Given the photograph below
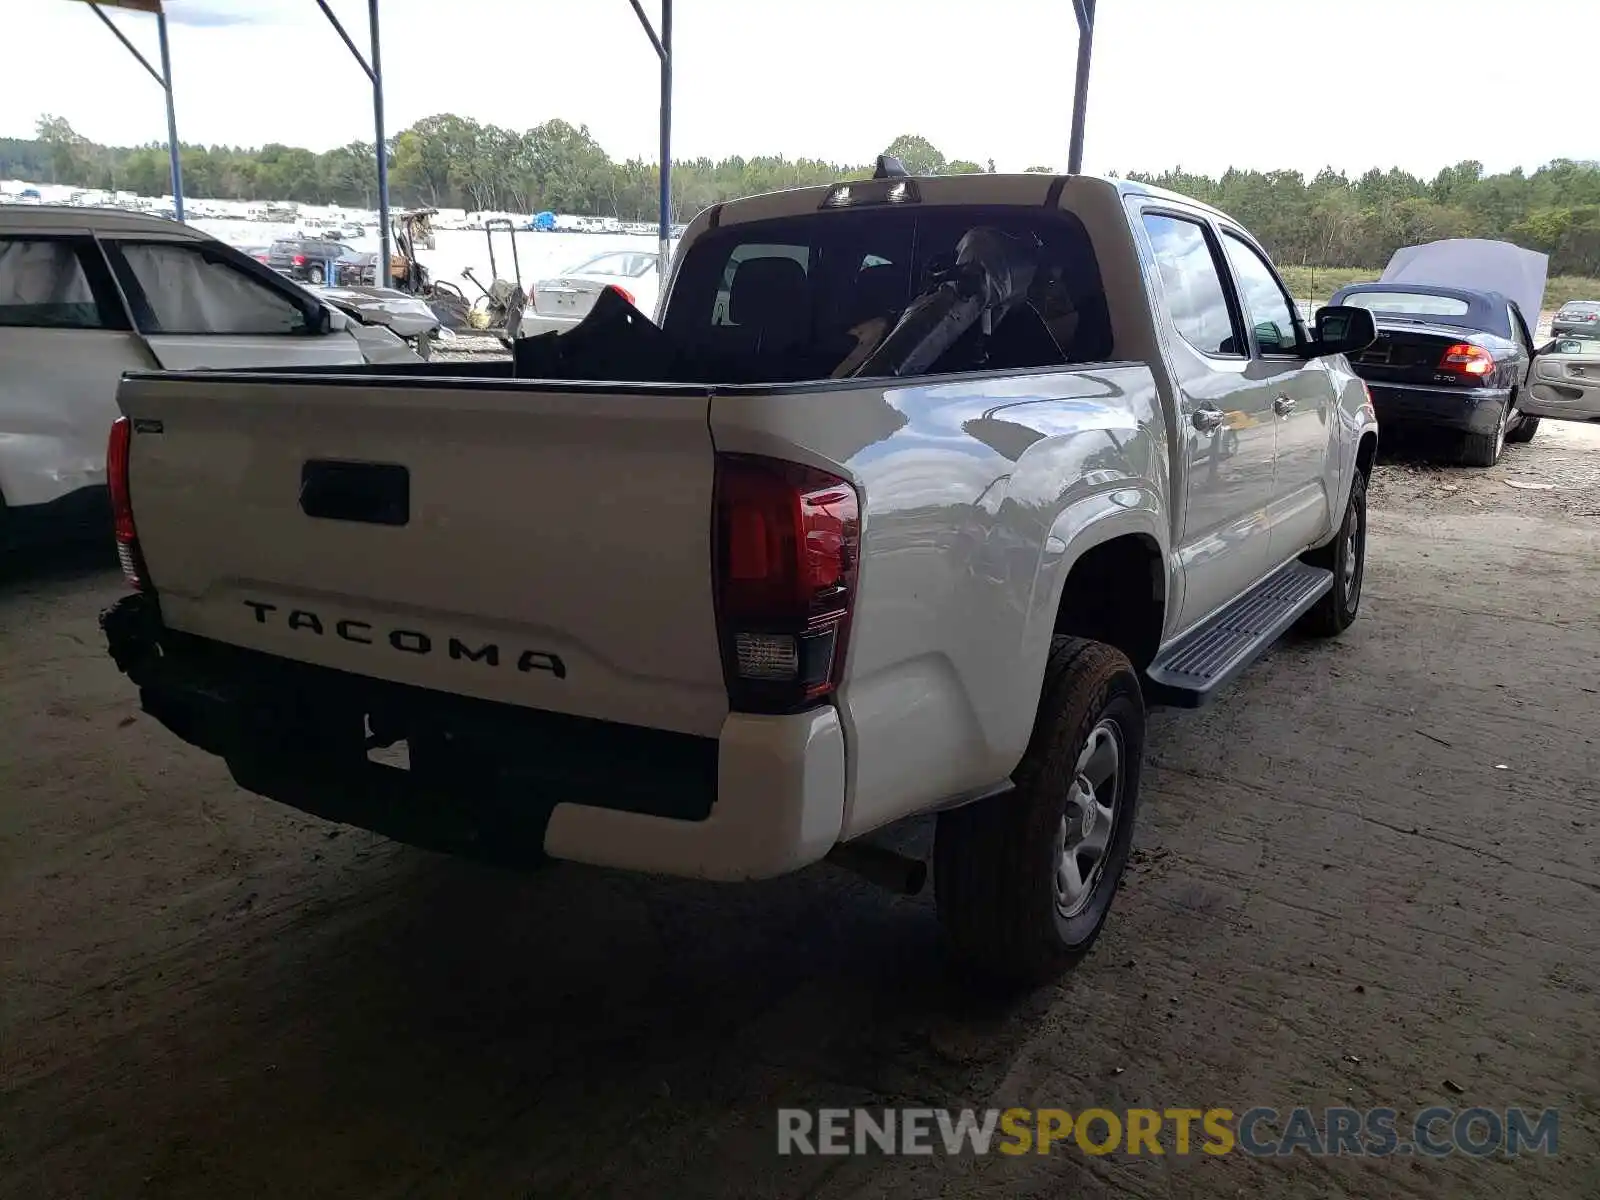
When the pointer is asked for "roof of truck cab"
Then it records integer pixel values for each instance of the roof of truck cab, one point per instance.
(65, 218)
(1026, 190)
(1131, 187)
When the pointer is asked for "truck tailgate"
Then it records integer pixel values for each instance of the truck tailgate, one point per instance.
(547, 548)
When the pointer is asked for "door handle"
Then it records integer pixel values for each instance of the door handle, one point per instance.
(1208, 420)
(1283, 406)
(372, 493)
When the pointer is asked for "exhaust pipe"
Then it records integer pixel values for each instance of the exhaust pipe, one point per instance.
(889, 869)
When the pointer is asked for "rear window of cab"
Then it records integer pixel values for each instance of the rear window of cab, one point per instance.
(797, 297)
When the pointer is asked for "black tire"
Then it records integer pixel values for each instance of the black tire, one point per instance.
(1483, 449)
(1524, 431)
(1346, 557)
(997, 862)
(315, 275)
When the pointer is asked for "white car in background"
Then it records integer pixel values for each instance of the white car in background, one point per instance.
(560, 303)
(87, 294)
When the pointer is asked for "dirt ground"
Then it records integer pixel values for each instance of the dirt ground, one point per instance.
(1369, 869)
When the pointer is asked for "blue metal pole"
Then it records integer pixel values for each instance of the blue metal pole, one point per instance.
(666, 135)
(384, 279)
(172, 117)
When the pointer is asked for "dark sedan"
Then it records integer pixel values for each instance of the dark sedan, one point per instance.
(1577, 318)
(1448, 361)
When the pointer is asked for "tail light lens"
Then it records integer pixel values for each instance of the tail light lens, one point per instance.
(128, 553)
(787, 545)
(624, 293)
(1466, 359)
(299, 260)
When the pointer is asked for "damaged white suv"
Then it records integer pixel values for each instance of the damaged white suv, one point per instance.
(86, 294)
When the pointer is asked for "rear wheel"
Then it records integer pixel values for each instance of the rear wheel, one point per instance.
(1346, 557)
(1483, 449)
(1024, 880)
(1525, 430)
(315, 275)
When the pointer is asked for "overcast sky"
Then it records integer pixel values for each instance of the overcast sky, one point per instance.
(1208, 84)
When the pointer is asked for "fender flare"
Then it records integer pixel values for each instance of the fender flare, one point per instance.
(1135, 509)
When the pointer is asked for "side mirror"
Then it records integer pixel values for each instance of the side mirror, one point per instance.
(1341, 329)
(331, 321)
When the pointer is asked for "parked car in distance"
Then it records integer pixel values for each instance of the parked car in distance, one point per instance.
(259, 253)
(561, 302)
(1577, 318)
(1448, 362)
(356, 268)
(306, 259)
(87, 294)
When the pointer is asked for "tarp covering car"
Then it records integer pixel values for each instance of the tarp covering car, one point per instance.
(1478, 264)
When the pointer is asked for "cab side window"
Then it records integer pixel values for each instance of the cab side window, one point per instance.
(1197, 297)
(1268, 309)
(175, 288)
(44, 284)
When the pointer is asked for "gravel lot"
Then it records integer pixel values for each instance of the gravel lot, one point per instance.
(1369, 869)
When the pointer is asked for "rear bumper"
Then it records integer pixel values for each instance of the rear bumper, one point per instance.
(1467, 410)
(77, 516)
(493, 781)
(1589, 330)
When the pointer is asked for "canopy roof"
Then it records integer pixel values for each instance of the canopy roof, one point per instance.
(660, 41)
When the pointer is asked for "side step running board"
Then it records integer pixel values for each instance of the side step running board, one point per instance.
(1191, 671)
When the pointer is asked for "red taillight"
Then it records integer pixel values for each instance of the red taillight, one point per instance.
(1466, 359)
(787, 544)
(299, 260)
(624, 293)
(117, 452)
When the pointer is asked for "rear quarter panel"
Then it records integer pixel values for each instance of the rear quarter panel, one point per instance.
(979, 493)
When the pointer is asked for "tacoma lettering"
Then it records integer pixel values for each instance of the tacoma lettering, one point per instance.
(537, 660)
(300, 619)
(489, 654)
(406, 641)
(410, 641)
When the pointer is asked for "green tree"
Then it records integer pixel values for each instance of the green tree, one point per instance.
(919, 155)
(1331, 220)
(65, 148)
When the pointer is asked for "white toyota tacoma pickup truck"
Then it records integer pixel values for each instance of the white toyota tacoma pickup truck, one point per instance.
(920, 493)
